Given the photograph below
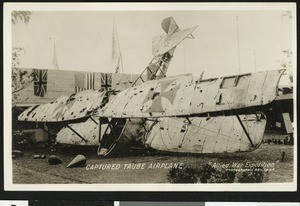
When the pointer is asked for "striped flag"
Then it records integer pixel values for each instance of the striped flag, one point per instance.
(84, 81)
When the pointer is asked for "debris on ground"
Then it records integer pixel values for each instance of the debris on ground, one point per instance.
(54, 160)
(78, 161)
(17, 153)
(39, 156)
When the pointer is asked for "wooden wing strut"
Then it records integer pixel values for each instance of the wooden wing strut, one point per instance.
(81, 137)
(246, 132)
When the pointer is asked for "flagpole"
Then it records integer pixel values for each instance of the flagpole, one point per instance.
(55, 62)
(254, 53)
(238, 43)
(117, 37)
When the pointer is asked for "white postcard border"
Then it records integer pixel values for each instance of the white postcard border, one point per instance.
(8, 184)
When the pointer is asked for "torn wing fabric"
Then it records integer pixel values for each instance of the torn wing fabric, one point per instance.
(65, 108)
(183, 95)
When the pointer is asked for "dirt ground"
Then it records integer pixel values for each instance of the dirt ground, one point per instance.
(27, 170)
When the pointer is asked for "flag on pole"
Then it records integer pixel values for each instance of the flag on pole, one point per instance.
(116, 52)
(54, 60)
(84, 81)
(106, 81)
(40, 82)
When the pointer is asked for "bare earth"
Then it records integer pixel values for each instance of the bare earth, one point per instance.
(27, 170)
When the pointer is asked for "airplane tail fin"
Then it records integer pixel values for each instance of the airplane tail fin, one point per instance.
(174, 36)
(163, 48)
(169, 25)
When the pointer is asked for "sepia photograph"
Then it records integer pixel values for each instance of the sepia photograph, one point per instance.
(150, 97)
(207, 204)
(161, 203)
(252, 204)
(54, 202)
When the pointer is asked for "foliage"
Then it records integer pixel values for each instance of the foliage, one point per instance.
(20, 79)
(23, 16)
(16, 52)
(205, 174)
(22, 140)
(209, 174)
(286, 15)
(256, 175)
(222, 176)
(184, 175)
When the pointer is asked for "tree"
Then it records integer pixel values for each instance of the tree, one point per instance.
(20, 79)
(287, 15)
(286, 62)
(17, 16)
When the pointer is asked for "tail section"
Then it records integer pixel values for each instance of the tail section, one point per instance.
(174, 36)
(164, 46)
(169, 25)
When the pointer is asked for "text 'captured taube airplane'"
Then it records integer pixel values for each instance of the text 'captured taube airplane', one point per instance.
(178, 114)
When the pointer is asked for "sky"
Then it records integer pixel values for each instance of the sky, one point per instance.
(83, 40)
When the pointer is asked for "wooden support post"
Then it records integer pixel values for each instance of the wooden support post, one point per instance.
(99, 130)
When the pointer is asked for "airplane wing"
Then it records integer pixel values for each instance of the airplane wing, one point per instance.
(66, 108)
(83, 133)
(183, 96)
(207, 135)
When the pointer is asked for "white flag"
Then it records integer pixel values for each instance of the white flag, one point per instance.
(116, 52)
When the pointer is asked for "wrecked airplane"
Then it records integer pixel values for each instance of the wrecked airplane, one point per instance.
(178, 114)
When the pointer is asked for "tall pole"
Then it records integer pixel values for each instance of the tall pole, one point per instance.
(121, 58)
(254, 60)
(184, 67)
(238, 44)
